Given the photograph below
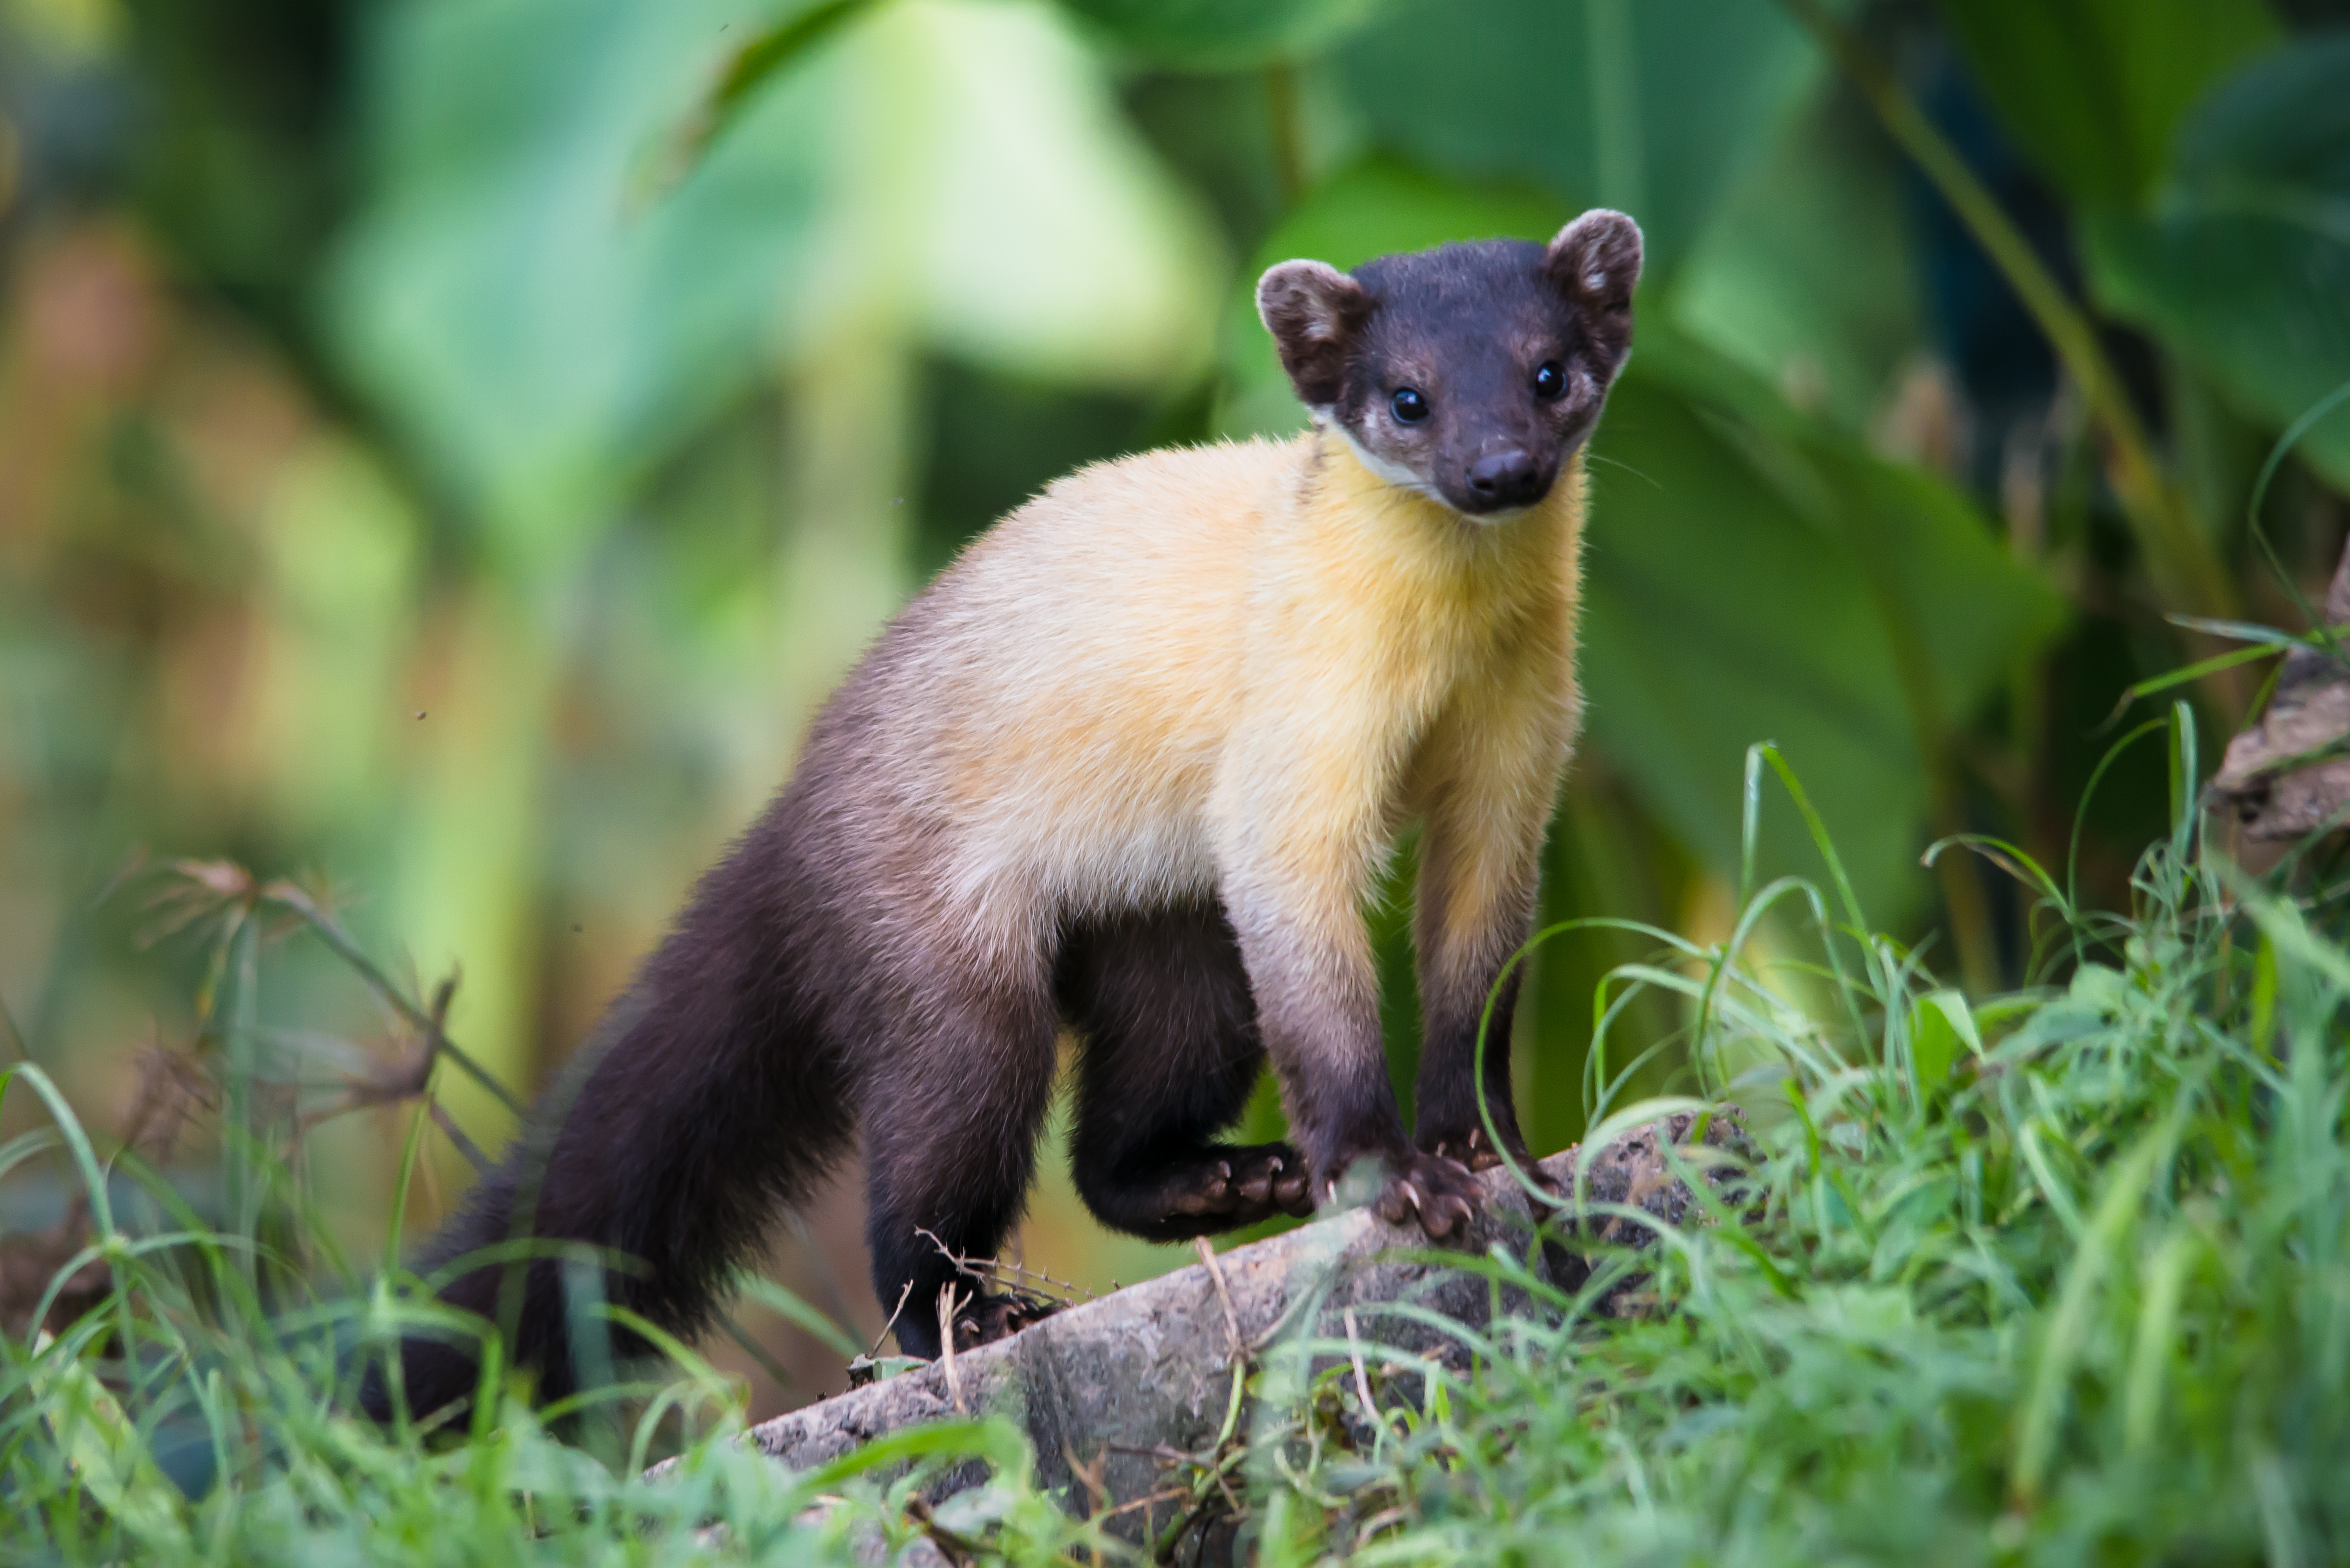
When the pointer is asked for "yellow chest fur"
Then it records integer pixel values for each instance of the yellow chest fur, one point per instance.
(1370, 593)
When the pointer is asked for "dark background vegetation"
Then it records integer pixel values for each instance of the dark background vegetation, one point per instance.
(448, 448)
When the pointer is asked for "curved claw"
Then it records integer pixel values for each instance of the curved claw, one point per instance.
(1436, 1191)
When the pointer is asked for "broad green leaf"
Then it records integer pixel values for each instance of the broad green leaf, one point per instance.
(769, 52)
(1753, 574)
(1655, 107)
(1719, 614)
(1027, 223)
(548, 317)
(1220, 35)
(1757, 575)
(536, 333)
(1806, 278)
(2093, 90)
(2243, 263)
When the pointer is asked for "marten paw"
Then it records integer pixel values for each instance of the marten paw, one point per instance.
(995, 1317)
(1241, 1186)
(1475, 1150)
(1433, 1189)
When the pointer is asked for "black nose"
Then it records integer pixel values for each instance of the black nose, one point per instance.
(1505, 477)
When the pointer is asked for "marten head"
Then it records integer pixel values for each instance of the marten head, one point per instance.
(1471, 372)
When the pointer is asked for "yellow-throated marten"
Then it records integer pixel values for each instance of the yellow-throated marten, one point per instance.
(1131, 765)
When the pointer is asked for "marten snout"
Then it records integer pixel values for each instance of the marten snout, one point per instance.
(1510, 477)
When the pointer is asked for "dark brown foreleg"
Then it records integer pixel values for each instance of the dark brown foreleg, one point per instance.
(1170, 1052)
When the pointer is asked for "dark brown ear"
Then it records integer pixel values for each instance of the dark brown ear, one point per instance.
(1595, 260)
(1314, 312)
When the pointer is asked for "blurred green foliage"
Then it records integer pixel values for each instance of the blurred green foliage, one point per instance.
(451, 446)
(2240, 262)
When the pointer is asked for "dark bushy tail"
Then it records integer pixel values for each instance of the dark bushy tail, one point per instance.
(710, 1107)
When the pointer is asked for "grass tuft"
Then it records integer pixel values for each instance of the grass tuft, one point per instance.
(2059, 1275)
(2056, 1276)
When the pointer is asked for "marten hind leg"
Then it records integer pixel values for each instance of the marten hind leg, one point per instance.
(953, 1112)
(1169, 1054)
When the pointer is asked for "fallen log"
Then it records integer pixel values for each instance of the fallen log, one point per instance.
(1111, 1391)
(2288, 773)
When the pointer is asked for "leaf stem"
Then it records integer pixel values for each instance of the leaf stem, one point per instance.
(2179, 557)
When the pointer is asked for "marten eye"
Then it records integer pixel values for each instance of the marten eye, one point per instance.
(1409, 405)
(1550, 380)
